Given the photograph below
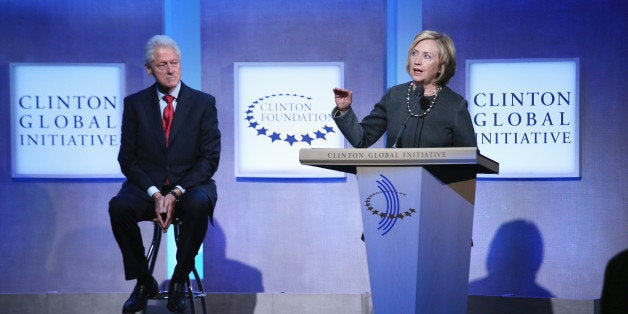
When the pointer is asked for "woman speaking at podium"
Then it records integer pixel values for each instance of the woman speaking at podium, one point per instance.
(421, 113)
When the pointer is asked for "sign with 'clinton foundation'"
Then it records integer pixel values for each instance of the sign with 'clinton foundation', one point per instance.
(65, 120)
(281, 107)
(526, 115)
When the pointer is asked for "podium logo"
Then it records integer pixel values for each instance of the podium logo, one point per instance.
(392, 212)
(288, 118)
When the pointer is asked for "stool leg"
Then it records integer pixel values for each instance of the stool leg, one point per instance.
(191, 296)
(153, 249)
(151, 255)
(202, 294)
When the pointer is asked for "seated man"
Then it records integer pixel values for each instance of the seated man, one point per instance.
(169, 151)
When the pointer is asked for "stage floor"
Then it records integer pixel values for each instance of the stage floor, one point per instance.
(276, 303)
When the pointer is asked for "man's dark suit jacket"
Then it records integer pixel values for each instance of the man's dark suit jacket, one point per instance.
(193, 152)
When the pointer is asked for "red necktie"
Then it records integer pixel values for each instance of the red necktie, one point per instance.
(168, 115)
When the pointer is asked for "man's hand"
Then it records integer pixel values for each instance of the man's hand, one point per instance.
(164, 209)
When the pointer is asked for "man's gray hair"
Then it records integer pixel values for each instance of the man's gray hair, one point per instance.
(159, 41)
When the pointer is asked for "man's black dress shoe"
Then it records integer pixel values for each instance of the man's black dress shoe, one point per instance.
(139, 297)
(176, 297)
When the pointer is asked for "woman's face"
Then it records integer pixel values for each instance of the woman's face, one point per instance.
(424, 62)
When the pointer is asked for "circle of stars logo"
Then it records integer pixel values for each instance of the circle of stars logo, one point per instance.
(290, 138)
(382, 214)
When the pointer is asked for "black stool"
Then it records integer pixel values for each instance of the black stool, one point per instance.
(151, 256)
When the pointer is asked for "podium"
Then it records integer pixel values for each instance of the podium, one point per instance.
(417, 211)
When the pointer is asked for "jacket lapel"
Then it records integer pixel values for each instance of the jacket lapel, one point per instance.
(153, 112)
(184, 103)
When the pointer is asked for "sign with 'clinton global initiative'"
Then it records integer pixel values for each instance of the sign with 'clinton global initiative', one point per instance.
(281, 107)
(65, 120)
(526, 115)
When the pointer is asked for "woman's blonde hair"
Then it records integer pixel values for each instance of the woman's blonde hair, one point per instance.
(446, 54)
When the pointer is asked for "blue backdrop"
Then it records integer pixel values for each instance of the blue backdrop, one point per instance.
(531, 238)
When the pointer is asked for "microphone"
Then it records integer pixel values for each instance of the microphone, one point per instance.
(419, 90)
(403, 127)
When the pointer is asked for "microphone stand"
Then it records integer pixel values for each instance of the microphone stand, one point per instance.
(403, 127)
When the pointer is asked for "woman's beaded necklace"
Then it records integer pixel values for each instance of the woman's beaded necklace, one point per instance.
(421, 114)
